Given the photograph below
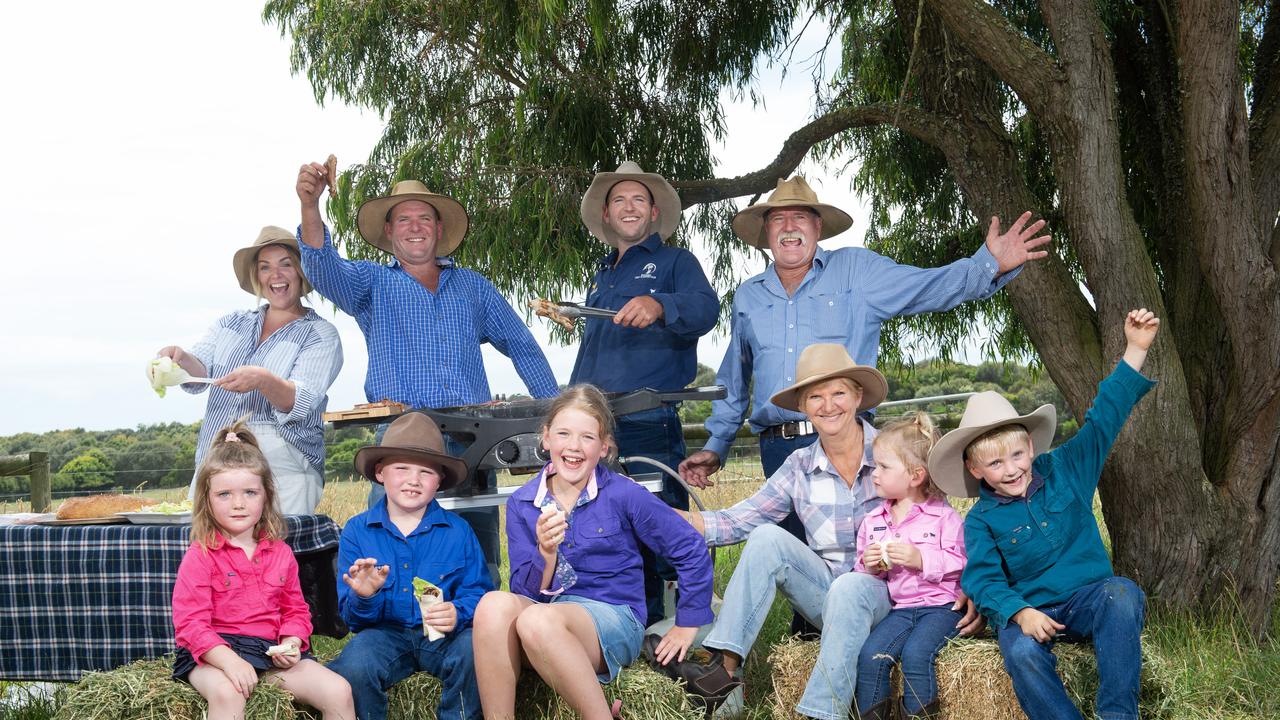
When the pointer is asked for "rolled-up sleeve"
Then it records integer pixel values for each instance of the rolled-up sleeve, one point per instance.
(314, 370)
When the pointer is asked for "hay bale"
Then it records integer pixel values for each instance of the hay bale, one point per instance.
(144, 691)
(972, 682)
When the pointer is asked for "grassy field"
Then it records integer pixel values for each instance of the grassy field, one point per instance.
(1220, 671)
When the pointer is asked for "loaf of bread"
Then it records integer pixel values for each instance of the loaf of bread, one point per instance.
(96, 506)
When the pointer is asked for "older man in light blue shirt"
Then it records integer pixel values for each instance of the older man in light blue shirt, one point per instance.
(810, 295)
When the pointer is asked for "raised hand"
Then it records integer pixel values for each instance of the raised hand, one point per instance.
(550, 531)
(366, 577)
(1140, 328)
(313, 178)
(1015, 247)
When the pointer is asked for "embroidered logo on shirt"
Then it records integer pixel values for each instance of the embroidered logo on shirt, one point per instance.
(648, 271)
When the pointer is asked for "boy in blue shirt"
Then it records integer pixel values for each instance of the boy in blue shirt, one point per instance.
(407, 535)
(1037, 566)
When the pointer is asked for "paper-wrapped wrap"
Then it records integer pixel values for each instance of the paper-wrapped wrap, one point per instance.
(427, 595)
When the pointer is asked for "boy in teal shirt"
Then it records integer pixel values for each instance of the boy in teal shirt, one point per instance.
(1037, 566)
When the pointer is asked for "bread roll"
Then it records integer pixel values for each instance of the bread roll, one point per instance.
(96, 506)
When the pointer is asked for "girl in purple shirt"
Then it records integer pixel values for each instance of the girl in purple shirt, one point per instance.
(576, 606)
(915, 540)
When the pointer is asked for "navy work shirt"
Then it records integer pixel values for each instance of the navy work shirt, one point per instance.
(663, 356)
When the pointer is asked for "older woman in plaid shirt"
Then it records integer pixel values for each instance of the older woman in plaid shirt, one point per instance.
(829, 485)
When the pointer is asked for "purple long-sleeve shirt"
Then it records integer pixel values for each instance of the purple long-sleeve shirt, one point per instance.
(603, 547)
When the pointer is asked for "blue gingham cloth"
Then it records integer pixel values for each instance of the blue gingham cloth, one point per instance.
(93, 597)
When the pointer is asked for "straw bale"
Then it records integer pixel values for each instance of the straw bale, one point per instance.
(144, 691)
(972, 683)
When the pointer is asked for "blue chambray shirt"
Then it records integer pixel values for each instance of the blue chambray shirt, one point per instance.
(424, 347)
(847, 295)
(306, 352)
(663, 356)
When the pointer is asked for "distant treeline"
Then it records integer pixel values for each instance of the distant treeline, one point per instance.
(163, 455)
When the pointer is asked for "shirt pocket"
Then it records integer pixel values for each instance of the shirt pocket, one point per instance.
(828, 316)
(275, 582)
(1025, 552)
(600, 545)
(228, 587)
(1063, 517)
(444, 574)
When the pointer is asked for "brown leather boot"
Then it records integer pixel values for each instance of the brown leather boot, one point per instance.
(928, 712)
(882, 710)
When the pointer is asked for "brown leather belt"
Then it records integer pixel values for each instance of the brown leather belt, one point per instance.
(789, 430)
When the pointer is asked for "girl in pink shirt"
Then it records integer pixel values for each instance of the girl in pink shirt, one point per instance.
(238, 610)
(915, 540)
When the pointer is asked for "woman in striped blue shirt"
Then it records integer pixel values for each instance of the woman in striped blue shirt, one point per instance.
(274, 364)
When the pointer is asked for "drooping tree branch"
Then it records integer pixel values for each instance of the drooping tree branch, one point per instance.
(1029, 70)
(930, 128)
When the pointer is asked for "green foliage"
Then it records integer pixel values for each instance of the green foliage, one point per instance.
(91, 469)
(160, 455)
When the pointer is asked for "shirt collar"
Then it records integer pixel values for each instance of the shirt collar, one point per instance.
(931, 506)
(649, 244)
(818, 460)
(593, 486)
(433, 515)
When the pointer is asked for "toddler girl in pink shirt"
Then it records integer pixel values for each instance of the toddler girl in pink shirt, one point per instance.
(915, 540)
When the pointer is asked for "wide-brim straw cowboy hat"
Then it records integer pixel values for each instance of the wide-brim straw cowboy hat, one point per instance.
(372, 218)
(824, 361)
(748, 224)
(983, 413)
(413, 436)
(665, 198)
(245, 261)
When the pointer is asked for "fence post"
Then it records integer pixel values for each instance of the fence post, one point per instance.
(34, 464)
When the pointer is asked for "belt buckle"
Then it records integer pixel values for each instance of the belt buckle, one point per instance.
(782, 430)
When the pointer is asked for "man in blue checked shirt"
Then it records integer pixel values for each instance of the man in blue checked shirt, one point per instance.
(809, 295)
(664, 305)
(423, 318)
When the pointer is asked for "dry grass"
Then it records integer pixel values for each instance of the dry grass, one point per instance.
(973, 684)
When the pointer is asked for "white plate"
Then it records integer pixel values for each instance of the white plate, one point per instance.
(155, 518)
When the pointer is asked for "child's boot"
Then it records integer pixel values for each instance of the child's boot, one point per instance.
(928, 712)
(882, 710)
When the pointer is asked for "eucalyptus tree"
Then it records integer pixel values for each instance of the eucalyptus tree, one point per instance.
(1147, 133)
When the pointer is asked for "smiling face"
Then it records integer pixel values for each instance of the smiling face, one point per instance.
(832, 405)
(629, 211)
(1006, 469)
(414, 229)
(411, 485)
(576, 445)
(279, 280)
(793, 234)
(236, 500)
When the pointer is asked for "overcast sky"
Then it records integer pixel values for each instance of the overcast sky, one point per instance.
(143, 144)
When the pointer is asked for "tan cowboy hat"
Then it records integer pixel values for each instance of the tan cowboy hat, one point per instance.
(748, 224)
(373, 216)
(412, 436)
(665, 198)
(824, 361)
(984, 412)
(245, 261)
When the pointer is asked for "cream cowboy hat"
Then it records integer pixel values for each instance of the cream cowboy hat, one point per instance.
(412, 436)
(245, 261)
(665, 198)
(824, 361)
(984, 412)
(372, 216)
(748, 224)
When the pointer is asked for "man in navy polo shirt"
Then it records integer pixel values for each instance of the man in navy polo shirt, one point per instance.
(664, 305)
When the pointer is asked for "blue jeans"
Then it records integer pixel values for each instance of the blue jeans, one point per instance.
(655, 434)
(847, 607)
(484, 522)
(383, 655)
(914, 634)
(773, 452)
(1111, 613)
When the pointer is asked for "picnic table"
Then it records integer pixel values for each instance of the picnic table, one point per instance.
(93, 597)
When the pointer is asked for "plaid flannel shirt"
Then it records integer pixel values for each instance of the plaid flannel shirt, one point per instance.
(830, 510)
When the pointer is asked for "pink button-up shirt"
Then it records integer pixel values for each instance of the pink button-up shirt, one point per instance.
(937, 531)
(223, 591)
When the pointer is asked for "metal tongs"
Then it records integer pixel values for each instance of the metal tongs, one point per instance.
(574, 310)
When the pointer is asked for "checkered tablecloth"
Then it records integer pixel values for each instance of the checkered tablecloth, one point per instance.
(94, 597)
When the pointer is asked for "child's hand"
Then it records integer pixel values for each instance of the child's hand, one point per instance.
(550, 531)
(1140, 328)
(872, 559)
(287, 660)
(441, 616)
(366, 577)
(674, 644)
(905, 554)
(243, 676)
(1037, 625)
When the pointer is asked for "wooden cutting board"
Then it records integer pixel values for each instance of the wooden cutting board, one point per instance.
(367, 410)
